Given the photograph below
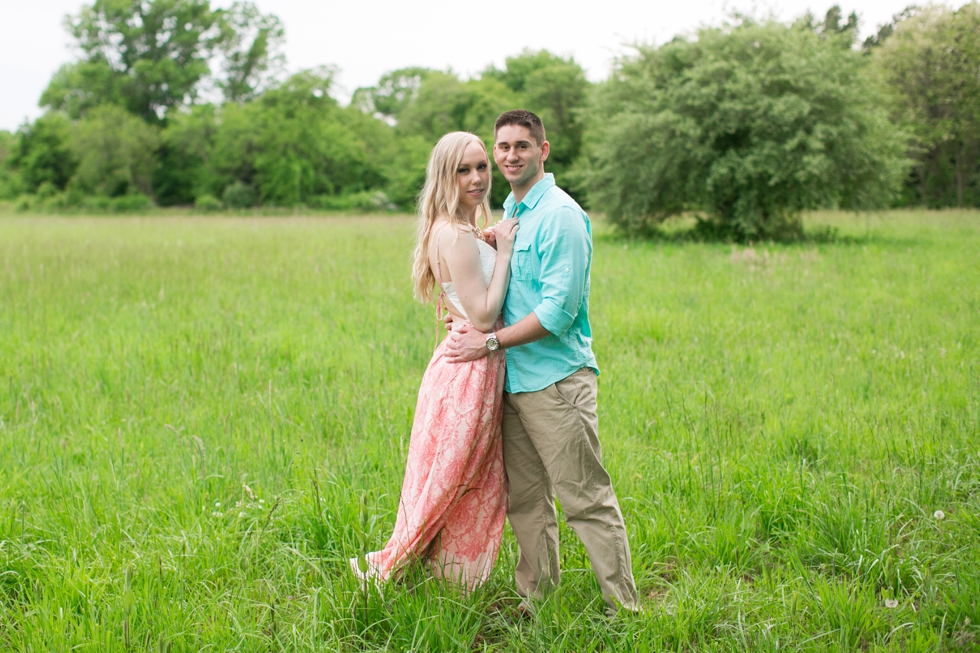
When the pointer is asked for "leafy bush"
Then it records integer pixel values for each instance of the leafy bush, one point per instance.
(240, 196)
(51, 200)
(182, 170)
(24, 203)
(42, 152)
(58, 202)
(46, 190)
(207, 203)
(362, 202)
(131, 203)
(745, 127)
(115, 152)
(11, 184)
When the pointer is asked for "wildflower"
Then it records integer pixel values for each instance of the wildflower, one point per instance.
(891, 603)
(939, 514)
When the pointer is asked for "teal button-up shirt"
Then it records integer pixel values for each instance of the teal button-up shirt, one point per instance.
(549, 276)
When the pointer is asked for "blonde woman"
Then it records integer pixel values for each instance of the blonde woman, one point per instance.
(454, 496)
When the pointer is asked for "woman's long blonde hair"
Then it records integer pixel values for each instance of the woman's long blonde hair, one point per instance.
(439, 199)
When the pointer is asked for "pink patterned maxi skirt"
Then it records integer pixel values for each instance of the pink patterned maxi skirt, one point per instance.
(454, 497)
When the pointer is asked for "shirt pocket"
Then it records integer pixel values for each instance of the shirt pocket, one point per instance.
(522, 264)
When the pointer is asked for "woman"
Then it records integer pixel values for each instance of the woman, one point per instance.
(454, 495)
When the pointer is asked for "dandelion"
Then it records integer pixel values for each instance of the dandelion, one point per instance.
(217, 504)
(939, 514)
(891, 604)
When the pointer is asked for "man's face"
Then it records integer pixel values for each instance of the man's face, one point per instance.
(519, 158)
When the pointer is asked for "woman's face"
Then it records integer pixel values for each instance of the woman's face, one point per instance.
(473, 175)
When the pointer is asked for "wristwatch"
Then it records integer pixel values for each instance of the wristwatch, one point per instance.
(492, 343)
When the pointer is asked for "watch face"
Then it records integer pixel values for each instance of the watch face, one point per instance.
(493, 344)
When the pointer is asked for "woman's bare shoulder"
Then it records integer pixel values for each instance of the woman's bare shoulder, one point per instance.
(449, 233)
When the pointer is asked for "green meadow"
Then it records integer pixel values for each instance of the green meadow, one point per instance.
(202, 418)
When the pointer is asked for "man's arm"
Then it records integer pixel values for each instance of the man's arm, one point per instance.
(566, 249)
(468, 344)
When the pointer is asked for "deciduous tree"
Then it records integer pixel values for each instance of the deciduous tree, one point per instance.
(115, 152)
(557, 90)
(150, 56)
(746, 126)
(394, 92)
(183, 169)
(933, 59)
(250, 52)
(10, 185)
(43, 153)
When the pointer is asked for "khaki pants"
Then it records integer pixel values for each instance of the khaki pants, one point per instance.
(551, 446)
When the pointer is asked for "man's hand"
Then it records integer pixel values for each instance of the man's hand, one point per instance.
(466, 344)
(490, 236)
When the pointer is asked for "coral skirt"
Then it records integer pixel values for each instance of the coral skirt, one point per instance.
(454, 497)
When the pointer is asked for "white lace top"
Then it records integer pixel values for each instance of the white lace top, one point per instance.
(488, 259)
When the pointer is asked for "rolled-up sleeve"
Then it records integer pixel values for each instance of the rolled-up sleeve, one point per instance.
(565, 249)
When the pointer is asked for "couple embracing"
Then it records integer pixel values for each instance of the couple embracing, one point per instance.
(506, 414)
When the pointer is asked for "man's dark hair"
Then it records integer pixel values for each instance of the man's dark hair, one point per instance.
(521, 118)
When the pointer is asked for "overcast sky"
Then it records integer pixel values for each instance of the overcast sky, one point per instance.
(366, 39)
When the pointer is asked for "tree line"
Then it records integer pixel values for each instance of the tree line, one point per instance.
(744, 125)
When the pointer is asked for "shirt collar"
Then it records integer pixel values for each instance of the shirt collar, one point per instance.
(531, 199)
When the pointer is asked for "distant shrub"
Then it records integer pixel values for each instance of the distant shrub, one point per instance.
(240, 196)
(51, 200)
(207, 203)
(360, 202)
(132, 203)
(10, 186)
(46, 190)
(56, 203)
(24, 203)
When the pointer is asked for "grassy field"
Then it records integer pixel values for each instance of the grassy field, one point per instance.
(202, 418)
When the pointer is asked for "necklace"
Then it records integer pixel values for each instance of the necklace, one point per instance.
(477, 232)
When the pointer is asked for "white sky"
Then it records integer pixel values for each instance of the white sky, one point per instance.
(367, 39)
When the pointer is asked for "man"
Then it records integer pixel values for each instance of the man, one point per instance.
(550, 426)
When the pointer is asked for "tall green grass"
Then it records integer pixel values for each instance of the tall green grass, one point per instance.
(201, 419)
